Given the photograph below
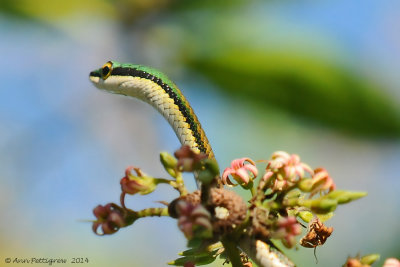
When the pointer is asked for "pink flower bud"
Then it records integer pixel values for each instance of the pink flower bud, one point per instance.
(142, 184)
(109, 217)
(391, 262)
(188, 159)
(321, 182)
(241, 172)
(193, 220)
(287, 229)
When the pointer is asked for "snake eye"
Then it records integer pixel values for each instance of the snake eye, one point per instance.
(106, 70)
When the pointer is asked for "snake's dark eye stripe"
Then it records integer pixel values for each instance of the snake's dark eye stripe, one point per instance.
(94, 74)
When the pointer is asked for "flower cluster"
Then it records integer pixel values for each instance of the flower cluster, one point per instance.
(110, 218)
(284, 170)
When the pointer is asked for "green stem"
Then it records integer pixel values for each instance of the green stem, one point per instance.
(150, 212)
(178, 184)
(233, 252)
(253, 191)
(179, 178)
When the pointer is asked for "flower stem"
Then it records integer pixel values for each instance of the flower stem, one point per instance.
(150, 212)
(178, 184)
(233, 252)
(253, 191)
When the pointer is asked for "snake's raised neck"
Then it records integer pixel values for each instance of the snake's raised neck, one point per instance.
(158, 90)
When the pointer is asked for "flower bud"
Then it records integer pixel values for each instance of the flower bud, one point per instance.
(169, 163)
(209, 172)
(293, 194)
(353, 263)
(135, 184)
(343, 197)
(142, 184)
(305, 216)
(193, 220)
(391, 262)
(111, 218)
(287, 229)
(370, 259)
(320, 205)
(305, 185)
(188, 159)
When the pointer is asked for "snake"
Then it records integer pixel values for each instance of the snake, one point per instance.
(155, 88)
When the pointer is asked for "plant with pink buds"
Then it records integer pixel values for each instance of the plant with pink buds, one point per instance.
(219, 223)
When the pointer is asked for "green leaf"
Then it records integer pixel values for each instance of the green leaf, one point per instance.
(202, 258)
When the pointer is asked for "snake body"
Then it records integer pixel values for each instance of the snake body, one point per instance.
(158, 90)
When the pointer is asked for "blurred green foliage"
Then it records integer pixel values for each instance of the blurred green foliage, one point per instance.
(296, 82)
(303, 85)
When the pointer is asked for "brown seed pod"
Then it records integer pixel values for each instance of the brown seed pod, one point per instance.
(228, 208)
